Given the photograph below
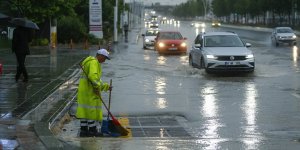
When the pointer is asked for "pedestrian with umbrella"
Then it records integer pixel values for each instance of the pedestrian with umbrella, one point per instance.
(22, 36)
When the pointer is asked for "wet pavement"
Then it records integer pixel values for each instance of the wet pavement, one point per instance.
(166, 104)
(240, 111)
(48, 69)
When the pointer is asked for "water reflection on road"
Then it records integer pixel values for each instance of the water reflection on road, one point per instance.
(295, 57)
(211, 114)
(250, 110)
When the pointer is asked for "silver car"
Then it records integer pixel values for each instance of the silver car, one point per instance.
(281, 35)
(148, 38)
(221, 51)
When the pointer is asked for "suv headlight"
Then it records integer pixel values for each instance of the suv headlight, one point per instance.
(210, 57)
(147, 40)
(294, 36)
(250, 56)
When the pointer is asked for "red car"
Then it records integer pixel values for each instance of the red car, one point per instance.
(170, 42)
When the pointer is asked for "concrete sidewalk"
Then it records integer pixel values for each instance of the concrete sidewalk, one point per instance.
(18, 130)
(27, 110)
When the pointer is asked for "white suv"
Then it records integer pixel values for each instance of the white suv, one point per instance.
(221, 51)
(283, 35)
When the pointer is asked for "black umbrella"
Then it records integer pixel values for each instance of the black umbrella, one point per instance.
(24, 23)
(2, 16)
(4, 19)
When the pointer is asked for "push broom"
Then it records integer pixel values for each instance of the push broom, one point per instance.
(115, 123)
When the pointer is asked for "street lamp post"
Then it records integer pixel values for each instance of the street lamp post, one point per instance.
(116, 22)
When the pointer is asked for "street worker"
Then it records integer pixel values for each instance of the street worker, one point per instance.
(20, 46)
(89, 109)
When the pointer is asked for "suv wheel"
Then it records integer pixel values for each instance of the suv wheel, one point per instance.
(202, 65)
(191, 61)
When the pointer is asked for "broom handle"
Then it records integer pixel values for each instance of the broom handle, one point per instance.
(109, 97)
(98, 94)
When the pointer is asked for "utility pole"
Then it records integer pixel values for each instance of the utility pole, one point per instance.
(116, 22)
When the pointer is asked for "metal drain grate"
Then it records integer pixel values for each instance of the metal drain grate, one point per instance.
(156, 127)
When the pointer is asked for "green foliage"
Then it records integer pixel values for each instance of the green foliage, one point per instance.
(71, 28)
(40, 42)
(5, 43)
(191, 8)
(92, 39)
(41, 11)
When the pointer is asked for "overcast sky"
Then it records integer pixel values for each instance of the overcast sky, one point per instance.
(162, 2)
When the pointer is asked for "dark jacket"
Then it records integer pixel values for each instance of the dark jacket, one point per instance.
(21, 38)
(125, 27)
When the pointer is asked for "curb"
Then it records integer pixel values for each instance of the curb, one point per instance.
(43, 121)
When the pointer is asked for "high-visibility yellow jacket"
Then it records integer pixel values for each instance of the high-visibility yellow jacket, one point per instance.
(89, 104)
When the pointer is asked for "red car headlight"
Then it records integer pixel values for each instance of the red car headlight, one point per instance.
(161, 44)
(183, 44)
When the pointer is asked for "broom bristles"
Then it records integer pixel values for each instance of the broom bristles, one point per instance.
(123, 131)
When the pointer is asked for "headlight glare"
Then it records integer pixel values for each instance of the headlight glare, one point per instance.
(161, 44)
(210, 56)
(147, 40)
(183, 44)
(250, 56)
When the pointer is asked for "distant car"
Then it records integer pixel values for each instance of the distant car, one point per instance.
(281, 35)
(221, 51)
(148, 38)
(215, 23)
(198, 24)
(171, 42)
(153, 24)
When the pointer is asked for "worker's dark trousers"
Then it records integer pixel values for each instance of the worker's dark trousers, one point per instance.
(21, 67)
(88, 125)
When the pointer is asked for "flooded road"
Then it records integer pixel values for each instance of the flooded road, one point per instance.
(224, 111)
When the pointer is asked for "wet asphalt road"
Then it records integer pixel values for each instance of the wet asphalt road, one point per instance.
(236, 111)
(231, 111)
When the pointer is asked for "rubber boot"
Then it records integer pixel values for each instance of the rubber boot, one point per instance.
(93, 132)
(84, 131)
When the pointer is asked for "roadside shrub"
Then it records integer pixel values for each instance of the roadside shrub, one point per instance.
(93, 39)
(70, 28)
(40, 42)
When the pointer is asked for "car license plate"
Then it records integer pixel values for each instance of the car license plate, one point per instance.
(232, 63)
(173, 48)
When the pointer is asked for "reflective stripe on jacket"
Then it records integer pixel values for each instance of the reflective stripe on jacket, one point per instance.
(89, 104)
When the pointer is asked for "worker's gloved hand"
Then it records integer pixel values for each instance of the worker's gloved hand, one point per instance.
(96, 91)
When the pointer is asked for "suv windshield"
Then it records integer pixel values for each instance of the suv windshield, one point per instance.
(223, 41)
(284, 30)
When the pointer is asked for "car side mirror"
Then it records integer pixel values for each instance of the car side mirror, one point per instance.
(248, 45)
(155, 39)
(143, 34)
(198, 46)
(185, 38)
